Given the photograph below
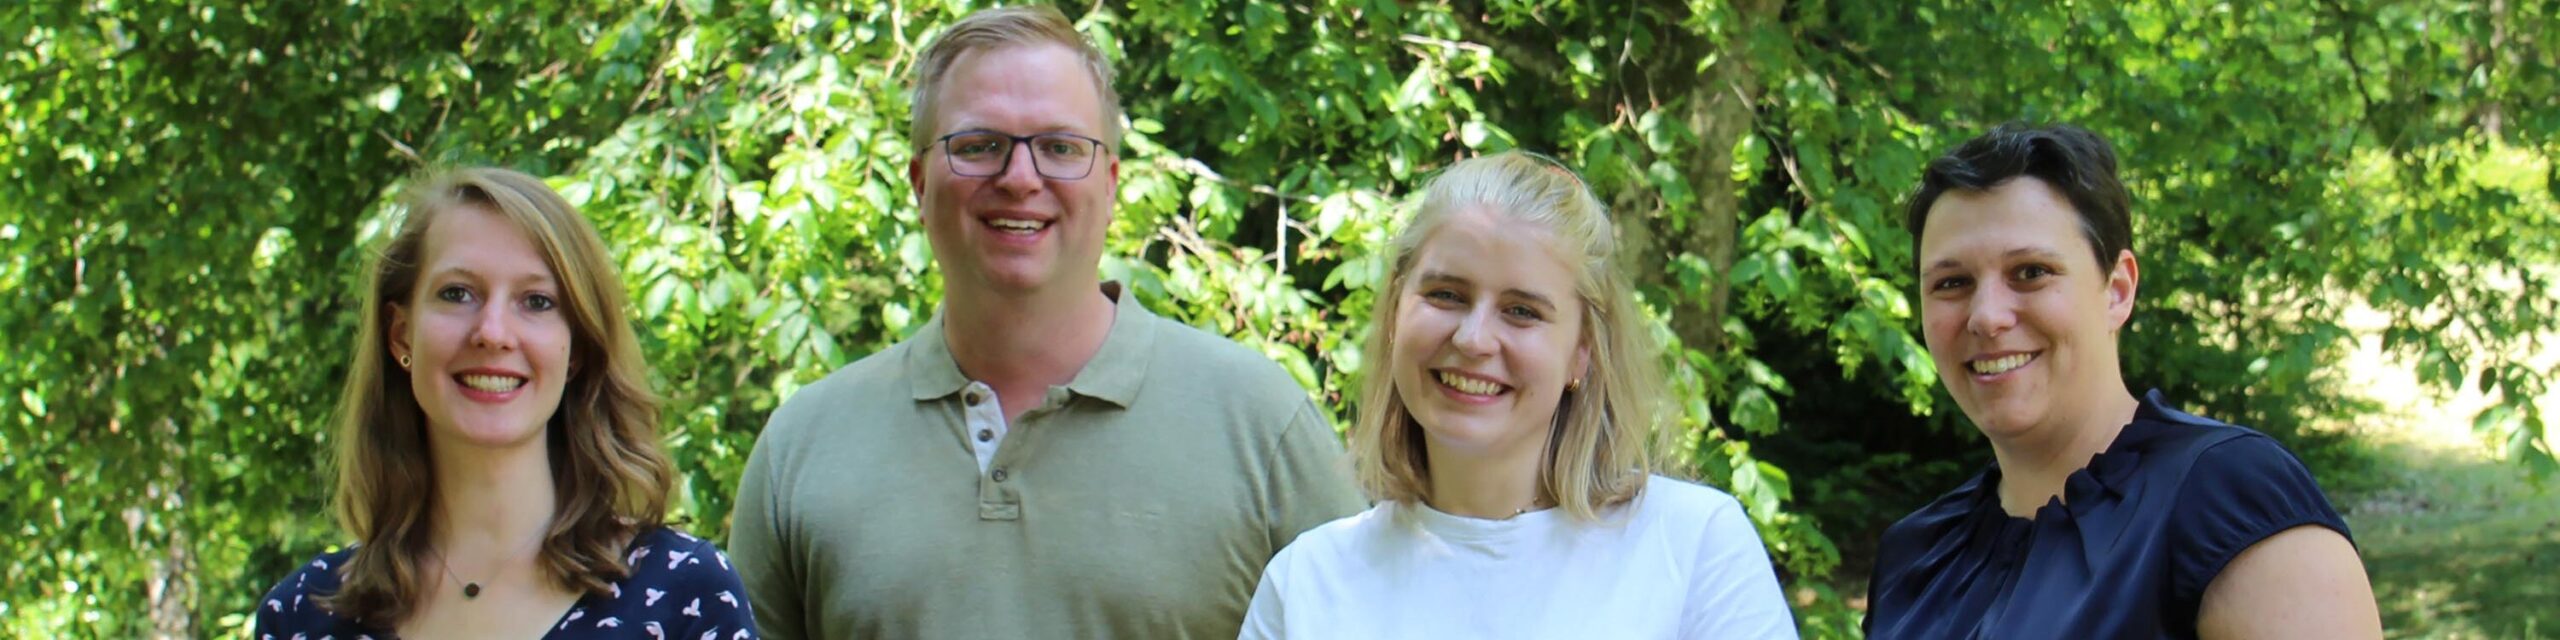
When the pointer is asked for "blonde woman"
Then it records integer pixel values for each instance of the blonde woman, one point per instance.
(498, 456)
(1505, 423)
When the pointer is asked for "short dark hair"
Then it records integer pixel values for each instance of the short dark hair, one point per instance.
(2070, 159)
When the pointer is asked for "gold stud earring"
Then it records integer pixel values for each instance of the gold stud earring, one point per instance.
(1575, 385)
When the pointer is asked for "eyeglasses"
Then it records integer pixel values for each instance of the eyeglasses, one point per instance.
(1056, 156)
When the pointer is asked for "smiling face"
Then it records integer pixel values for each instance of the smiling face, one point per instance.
(2017, 312)
(1487, 335)
(485, 333)
(1016, 231)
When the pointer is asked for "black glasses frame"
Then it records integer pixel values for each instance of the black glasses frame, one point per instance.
(1012, 141)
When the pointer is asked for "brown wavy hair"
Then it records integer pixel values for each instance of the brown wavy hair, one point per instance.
(1607, 434)
(611, 480)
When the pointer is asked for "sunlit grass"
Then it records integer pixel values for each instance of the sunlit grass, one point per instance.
(2460, 543)
(2462, 546)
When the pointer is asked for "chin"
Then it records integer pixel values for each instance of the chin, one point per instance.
(1018, 277)
(1468, 436)
(500, 434)
(2005, 420)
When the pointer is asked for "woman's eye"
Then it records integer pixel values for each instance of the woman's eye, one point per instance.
(453, 293)
(2033, 271)
(1945, 284)
(1440, 295)
(1523, 312)
(541, 302)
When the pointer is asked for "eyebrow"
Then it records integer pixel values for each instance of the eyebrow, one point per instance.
(2038, 251)
(468, 274)
(1439, 277)
(1035, 131)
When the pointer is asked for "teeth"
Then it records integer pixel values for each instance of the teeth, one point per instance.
(1469, 385)
(492, 383)
(2001, 365)
(1017, 225)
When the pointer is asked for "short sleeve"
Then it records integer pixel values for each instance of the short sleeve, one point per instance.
(715, 603)
(1734, 591)
(1263, 619)
(1310, 479)
(762, 563)
(2239, 492)
(273, 619)
(292, 606)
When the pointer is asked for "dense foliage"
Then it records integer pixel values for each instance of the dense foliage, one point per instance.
(190, 186)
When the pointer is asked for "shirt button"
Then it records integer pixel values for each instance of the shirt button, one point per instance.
(999, 475)
(973, 397)
(985, 435)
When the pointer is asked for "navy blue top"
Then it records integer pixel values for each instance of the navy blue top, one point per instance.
(2125, 552)
(680, 587)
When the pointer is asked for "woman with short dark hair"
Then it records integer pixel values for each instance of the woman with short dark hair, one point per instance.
(2104, 515)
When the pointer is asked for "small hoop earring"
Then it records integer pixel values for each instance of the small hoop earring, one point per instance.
(404, 362)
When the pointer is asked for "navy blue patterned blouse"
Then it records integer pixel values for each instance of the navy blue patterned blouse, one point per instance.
(2126, 553)
(681, 587)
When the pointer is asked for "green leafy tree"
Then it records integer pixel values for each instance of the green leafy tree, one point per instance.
(192, 186)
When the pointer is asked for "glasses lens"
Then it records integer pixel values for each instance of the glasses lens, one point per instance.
(978, 154)
(1063, 157)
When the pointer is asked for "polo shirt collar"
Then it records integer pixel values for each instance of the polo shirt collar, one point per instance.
(1114, 375)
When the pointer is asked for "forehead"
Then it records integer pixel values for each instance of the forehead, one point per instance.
(1497, 251)
(1019, 88)
(484, 242)
(2021, 212)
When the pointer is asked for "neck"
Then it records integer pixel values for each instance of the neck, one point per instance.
(494, 506)
(1022, 345)
(2035, 465)
(1490, 487)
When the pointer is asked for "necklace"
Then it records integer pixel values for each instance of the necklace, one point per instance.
(470, 590)
(1533, 505)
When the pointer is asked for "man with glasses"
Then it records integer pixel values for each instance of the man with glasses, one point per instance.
(1045, 458)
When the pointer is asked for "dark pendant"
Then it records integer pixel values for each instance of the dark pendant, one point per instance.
(471, 590)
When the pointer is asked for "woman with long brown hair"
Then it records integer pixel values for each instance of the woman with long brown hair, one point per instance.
(498, 456)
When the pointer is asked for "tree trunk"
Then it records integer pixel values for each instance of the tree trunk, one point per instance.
(1719, 107)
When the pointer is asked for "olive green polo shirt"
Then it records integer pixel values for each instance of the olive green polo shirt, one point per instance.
(1140, 500)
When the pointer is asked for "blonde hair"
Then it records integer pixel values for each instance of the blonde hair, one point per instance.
(611, 480)
(1601, 448)
(996, 29)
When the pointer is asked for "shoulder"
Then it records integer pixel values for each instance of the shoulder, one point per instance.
(1186, 354)
(2242, 488)
(1335, 543)
(673, 557)
(2211, 462)
(292, 605)
(2169, 438)
(1695, 516)
(680, 586)
(1922, 528)
(846, 391)
(1691, 509)
(2233, 488)
(684, 568)
(1669, 497)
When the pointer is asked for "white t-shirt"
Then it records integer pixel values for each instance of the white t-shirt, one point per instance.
(1679, 561)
